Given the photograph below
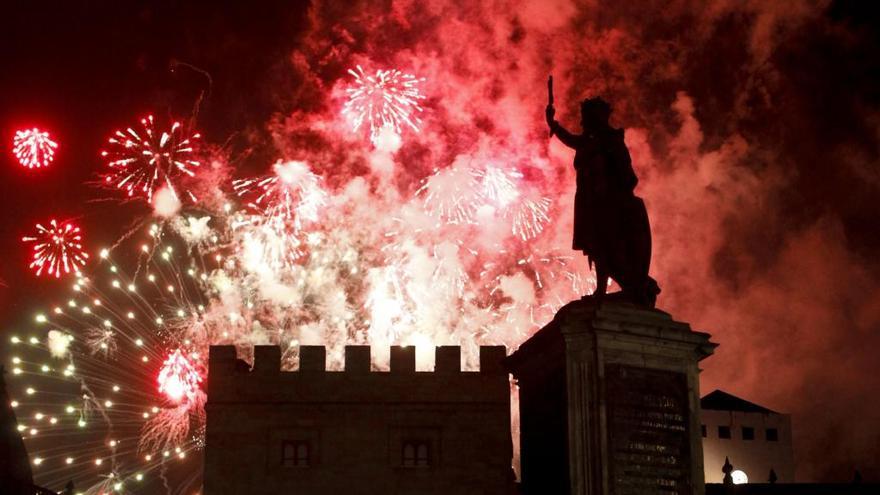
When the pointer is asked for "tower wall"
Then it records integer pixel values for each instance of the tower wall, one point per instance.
(356, 425)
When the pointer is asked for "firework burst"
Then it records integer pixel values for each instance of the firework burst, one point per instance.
(288, 261)
(499, 186)
(179, 378)
(143, 160)
(132, 343)
(280, 205)
(33, 148)
(528, 217)
(125, 371)
(500, 190)
(386, 99)
(57, 249)
(451, 195)
(293, 195)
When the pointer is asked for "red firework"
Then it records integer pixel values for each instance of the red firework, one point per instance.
(179, 379)
(33, 148)
(57, 249)
(142, 161)
(387, 99)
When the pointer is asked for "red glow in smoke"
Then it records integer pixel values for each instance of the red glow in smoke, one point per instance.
(33, 148)
(179, 379)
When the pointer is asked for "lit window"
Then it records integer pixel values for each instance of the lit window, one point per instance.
(748, 433)
(703, 431)
(295, 453)
(724, 432)
(772, 435)
(416, 454)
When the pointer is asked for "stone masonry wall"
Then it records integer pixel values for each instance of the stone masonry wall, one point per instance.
(357, 423)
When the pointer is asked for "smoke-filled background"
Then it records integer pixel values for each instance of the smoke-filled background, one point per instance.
(753, 127)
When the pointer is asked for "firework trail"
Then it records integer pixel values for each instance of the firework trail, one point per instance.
(387, 99)
(142, 161)
(124, 354)
(57, 249)
(33, 148)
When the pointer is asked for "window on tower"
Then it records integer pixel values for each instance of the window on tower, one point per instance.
(295, 453)
(724, 432)
(416, 454)
(748, 433)
(772, 435)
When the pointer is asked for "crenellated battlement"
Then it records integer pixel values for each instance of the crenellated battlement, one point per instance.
(320, 430)
(232, 380)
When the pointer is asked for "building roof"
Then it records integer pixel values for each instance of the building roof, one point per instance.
(792, 489)
(720, 400)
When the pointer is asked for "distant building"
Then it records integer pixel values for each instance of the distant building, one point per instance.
(357, 431)
(754, 438)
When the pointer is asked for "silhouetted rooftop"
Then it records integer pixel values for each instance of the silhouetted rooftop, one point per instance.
(722, 401)
(792, 489)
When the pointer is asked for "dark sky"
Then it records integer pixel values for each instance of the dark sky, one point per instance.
(83, 69)
(789, 259)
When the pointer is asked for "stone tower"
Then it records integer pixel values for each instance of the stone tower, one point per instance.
(358, 431)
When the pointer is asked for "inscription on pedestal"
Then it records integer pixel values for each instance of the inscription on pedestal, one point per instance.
(648, 437)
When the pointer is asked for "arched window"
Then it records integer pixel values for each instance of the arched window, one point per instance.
(295, 453)
(409, 454)
(422, 454)
(416, 454)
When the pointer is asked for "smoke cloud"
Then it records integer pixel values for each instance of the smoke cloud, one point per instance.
(753, 127)
(754, 165)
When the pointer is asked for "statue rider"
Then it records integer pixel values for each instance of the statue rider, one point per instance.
(610, 222)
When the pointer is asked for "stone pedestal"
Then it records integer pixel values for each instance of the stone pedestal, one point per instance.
(609, 403)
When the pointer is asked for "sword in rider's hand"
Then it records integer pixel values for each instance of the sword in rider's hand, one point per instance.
(550, 97)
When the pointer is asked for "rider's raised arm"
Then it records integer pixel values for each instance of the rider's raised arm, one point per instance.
(567, 138)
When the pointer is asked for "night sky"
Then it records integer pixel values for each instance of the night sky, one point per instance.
(753, 126)
(84, 69)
